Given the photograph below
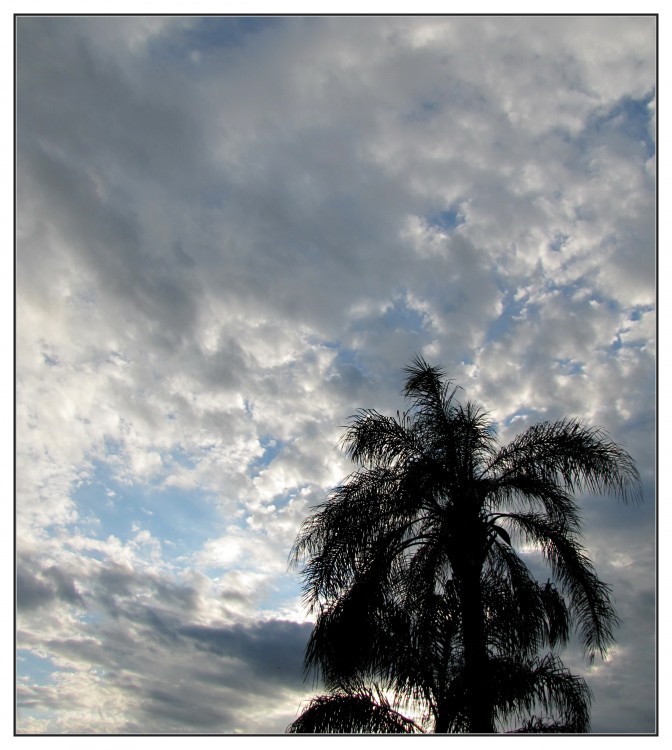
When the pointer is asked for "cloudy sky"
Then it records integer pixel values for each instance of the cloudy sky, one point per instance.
(231, 234)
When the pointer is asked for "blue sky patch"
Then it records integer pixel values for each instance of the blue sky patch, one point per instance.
(558, 242)
(272, 447)
(185, 517)
(512, 308)
(640, 310)
(35, 668)
(569, 366)
(211, 34)
(629, 119)
(401, 317)
(447, 221)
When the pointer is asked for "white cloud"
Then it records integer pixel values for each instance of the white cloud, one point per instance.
(234, 232)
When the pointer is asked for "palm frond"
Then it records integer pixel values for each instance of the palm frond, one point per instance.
(568, 453)
(590, 603)
(523, 617)
(427, 387)
(546, 725)
(524, 492)
(352, 713)
(373, 439)
(520, 688)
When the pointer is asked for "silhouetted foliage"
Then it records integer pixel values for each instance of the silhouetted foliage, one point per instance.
(423, 606)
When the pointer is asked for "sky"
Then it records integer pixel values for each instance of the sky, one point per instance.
(232, 233)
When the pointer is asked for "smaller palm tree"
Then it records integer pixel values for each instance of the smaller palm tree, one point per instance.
(415, 554)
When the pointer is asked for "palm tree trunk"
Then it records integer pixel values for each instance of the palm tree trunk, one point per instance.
(477, 682)
(441, 724)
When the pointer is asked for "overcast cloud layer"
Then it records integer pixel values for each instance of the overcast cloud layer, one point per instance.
(231, 234)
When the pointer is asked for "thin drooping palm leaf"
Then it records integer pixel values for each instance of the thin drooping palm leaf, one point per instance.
(589, 598)
(569, 454)
(351, 713)
(522, 687)
(523, 616)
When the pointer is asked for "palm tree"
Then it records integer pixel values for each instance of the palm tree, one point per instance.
(414, 553)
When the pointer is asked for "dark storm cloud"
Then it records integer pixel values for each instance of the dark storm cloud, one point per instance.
(274, 649)
(261, 658)
(37, 588)
(31, 591)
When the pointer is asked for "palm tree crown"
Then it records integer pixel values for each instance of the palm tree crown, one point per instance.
(423, 606)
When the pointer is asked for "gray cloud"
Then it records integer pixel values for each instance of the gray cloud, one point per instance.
(273, 648)
(231, 234)
(141, 643)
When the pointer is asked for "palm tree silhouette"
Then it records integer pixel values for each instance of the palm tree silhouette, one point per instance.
(427, 618)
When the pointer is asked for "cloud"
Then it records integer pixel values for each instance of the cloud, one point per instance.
(234, 232)
(145, 643)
